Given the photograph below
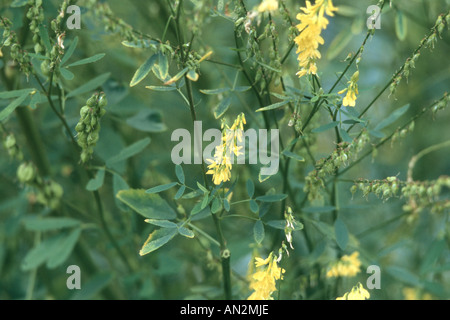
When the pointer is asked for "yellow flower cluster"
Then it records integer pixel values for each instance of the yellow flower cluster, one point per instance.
(312, 22)
(268, 5)
(263, 282)
(357, 293)
(352, 91)
(347, 266)
(415, 294)
(220, 166)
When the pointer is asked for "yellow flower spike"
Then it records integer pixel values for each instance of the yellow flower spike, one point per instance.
(352, 91)
(312, 22)
(263, 282)
(357, 293)
(268, 5)
(347, 266)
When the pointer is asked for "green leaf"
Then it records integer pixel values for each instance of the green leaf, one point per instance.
(196, 209)
(147, 120)
(345, 136)
(258, 232)
(215, 91)
(18, 3)
(38, 56)
(339, 43)
(91, 85)
(180, 192)
(41, 253)
(272, 197)
(205, 201)
(326, 127)
(401, 26)
(97, 182)
(119, 184)
(392, 118)
(254, 206)
(226, 205)
(162, 223)
(87, 60)
(12, 106)
(93, 286)
(241, 88)
(162, 88)
(143, 70)
(180, 173)
(69, 52)
(35, 223)
(341, 232)
(44, 36)
(293, 156)
(432, 255)
(16, 93)
(216, 205)
(142, 43)
(157, 239)
(68, 75)
(273, 106)
(201, 187)
(162, 187)
(128, 152)
(176, 77)
(163, 64)
(222, 107)
(64, 249)
(403, 275)
(150, 206)
(185, 232)
(250, 188)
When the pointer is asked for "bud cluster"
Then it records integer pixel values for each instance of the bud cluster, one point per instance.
(442, 104)
(36, 16)
(10, 144)
(421, 194)
(88, 127)
(49, 192)
(325, 167)
(9, 39)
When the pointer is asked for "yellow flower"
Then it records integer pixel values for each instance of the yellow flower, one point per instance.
(263, 282)
(414, 294)
(352, 91)
(312, 22)
(220, 167)
(347, 266)
(268, 5)
(357, 293)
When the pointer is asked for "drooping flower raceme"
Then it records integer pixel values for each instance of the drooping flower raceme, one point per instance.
(263, 281)
(347, 266)
(357, 293)
(352, 91)
(312, 22)
(220, 166)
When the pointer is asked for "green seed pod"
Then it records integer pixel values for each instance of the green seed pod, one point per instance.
(93, 121)
(56, 190)
(84, 157)
(26, 173)
(45, 67)
(84, 111)
(10, 141)
(79, 127)
(92, 101)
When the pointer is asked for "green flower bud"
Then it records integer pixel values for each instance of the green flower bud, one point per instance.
(26, 173)
(84, 111)
(79, 127)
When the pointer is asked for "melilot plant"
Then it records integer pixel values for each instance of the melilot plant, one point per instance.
(241, 134)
